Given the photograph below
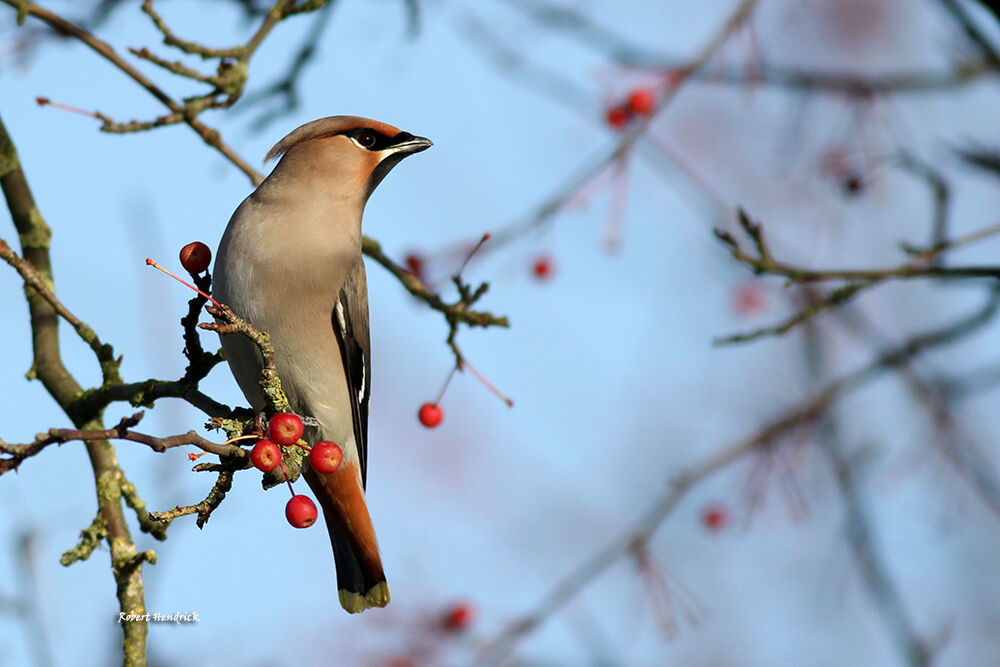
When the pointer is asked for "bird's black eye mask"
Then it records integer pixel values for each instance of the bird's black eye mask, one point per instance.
(375, 141)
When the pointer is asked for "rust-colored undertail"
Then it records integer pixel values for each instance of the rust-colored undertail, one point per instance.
(360, 579)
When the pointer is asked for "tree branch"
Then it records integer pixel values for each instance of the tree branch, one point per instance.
(48, 367)
(809, 410)
(209, 135)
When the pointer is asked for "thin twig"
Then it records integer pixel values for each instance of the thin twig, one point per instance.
(762, 263)
(32, 278)
(657, 512)
(454, 312)
(122, 431)
(209, 135)
(628, 138)
(860, 529)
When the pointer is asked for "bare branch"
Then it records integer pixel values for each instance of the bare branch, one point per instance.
(58, 436)
(591, 170)
(645, 527)
(48, 367)
(32, 278)
(971, 30)
(209, 135)
(762, 263)
(457, 312)
(204, 509)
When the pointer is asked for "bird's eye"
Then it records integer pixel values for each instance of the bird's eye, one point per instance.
(367, 138)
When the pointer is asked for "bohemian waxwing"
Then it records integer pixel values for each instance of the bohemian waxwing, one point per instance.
(290, 264)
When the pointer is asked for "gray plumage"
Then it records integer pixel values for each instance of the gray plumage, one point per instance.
(290, 263)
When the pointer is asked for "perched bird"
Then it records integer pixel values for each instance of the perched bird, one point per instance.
(290, 263)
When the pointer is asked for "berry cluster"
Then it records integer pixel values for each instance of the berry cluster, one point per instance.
(285, 430)
(640, 102)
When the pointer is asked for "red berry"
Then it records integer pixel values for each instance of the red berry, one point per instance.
(285, 429)
(265, 456)
(715, 517)
(618, 116)
(430, 414)
(542, 268)
(195, 257)
(301, 511)
(458, 617)
(641, 101)
(401, 661)
(853, 185)
(748, 300)
(415, 263)
(325, 457)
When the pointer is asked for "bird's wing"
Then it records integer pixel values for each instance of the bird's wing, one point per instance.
(350, 325)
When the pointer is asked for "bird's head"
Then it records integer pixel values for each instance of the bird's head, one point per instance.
(357, 152)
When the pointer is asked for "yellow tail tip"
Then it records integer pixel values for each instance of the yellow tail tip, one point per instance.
(377, 596)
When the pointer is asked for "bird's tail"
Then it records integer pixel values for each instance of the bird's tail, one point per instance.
(360, 579)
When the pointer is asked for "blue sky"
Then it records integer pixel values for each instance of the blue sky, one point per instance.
(610, 364)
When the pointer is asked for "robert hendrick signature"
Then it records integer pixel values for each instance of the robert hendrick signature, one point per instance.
(179, 617)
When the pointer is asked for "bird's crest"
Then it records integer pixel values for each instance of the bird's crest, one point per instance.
(327, 127)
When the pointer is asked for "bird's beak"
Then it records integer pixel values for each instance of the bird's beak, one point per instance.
(408, 144)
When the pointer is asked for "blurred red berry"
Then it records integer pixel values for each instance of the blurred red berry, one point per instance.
(265, 456)
(458, 617)
(285, 429)
(195, 257)
(618, 116)
(840, 164)
(542, 267)
(325, 457)
(430, 414)
(301, 511)
(401, 661)
(642, 101)
(415, 263)
(852, 185)
(748, 300)
(715, 517)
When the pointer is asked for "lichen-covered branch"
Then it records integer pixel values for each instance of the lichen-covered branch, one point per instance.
(122, 431)
(34, 280)
(204, 509)
(232, 324)
(90, 538)
(48, 367)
